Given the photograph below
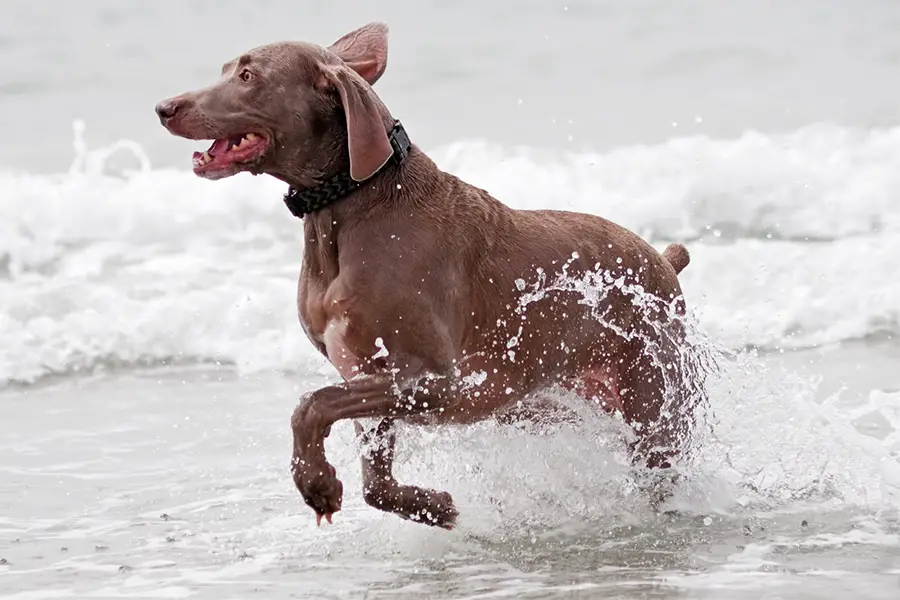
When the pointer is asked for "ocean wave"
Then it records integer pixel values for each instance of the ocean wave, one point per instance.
(100, 266)
(818, 183)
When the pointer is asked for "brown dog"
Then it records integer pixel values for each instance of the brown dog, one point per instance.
(435, 302)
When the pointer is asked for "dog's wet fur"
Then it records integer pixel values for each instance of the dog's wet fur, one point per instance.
(409, 284)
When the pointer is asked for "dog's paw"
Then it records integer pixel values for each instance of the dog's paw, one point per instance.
(321, 490)
(443, 512)
(433, 508)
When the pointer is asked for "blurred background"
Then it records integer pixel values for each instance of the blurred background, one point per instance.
(567, 74)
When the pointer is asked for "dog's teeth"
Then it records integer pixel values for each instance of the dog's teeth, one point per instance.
(205, 158)
(250, 137)
(241, 143)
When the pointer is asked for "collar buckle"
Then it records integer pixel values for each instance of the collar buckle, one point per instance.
(400, 142)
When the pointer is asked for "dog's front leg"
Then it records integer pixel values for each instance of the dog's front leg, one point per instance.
(375, 396)
(382, 491)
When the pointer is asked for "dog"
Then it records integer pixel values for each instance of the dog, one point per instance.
(424, 291)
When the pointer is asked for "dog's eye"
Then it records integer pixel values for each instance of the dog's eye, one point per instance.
(246, 75)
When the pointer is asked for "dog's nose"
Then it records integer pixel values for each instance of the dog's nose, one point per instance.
(167, 109)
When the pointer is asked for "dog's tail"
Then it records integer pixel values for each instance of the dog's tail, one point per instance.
(678, 256)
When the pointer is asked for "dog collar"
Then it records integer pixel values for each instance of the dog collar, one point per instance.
(302, 202)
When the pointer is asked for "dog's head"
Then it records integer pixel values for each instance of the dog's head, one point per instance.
(293, 110)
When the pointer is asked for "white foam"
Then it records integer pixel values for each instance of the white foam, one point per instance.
(819, 182)
(778, 294)
(773, 439)
(105, 268)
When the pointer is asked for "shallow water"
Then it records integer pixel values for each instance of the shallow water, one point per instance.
(173, 483)
(150, 356)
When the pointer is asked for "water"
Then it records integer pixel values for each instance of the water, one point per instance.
(150, 355)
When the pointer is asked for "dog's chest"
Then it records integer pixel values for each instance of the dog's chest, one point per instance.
(327, 327)
(311, 308)
(319, 271)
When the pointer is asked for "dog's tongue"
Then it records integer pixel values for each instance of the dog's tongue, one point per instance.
(218, 147)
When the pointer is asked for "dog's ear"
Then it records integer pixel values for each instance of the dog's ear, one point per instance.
(367, 138)
(365, 50)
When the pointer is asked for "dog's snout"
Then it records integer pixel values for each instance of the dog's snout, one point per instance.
(167, 109)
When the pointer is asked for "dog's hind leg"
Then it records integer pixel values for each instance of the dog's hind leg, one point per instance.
(382, 491)
(654, 410)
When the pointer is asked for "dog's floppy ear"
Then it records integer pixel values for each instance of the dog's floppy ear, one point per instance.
(365, 51)
(367, 138)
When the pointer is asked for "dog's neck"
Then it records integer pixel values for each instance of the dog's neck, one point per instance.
(302, 201)
(406, 189)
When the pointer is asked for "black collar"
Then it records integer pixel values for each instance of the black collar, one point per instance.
(307, 201)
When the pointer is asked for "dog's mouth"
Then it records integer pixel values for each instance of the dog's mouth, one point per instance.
(228, 155)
